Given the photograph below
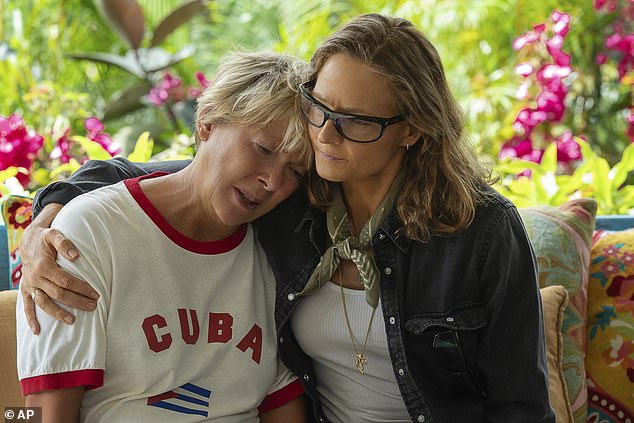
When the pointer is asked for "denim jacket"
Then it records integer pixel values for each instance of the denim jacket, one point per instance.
(462, 313)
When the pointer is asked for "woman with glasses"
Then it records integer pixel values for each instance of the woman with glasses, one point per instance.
(406, 286)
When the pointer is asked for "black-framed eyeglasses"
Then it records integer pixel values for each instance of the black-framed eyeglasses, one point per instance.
(357, 128)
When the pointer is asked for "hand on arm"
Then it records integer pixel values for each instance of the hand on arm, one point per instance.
(43, 280)
(294, 411)
(58, 406)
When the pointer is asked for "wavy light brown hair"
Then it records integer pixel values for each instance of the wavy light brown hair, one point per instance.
(444, 179)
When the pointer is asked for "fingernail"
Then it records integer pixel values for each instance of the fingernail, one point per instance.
(90, 305)
(72, 253)
(34, 330)
(69, 319)
(94, 295)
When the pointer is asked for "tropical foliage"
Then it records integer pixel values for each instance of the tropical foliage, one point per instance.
(546, 86)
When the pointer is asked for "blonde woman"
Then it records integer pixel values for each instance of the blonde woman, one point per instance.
(407, 288)
(184, 328)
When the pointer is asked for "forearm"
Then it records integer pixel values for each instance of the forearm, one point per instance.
(61, 405)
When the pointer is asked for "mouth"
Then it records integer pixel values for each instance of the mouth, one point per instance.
(328, 157)
(245, 200)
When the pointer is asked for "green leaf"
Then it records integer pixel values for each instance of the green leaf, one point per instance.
(549, 159)
(94, 151)
(128, 62)
(601, 183)
(515, 166)
(67, 168)
(156, 59)
(142, 149)
(9, 172)
(624, 167)
(126, 102)
(178, 17)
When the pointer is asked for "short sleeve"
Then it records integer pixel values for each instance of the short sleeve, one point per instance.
(65, 356)
(284, 390)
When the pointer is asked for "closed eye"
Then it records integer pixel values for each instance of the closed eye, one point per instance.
(263, 149)
(298, 173)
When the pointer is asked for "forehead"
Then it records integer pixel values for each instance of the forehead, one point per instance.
(349, 85)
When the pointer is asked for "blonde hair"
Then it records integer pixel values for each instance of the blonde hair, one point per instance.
(444, 179)
(255, 89)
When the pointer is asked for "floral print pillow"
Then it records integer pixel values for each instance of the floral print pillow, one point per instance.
(17, 214)
(610, 347)
(562, 237)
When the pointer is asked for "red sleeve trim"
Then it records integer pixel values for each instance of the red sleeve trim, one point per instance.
(91, 379)
(281, 396)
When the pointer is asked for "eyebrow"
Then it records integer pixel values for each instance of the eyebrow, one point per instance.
(343, 110)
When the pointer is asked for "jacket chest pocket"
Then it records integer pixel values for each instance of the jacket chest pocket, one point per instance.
(441, 350)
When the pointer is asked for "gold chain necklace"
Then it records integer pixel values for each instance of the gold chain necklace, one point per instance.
(360, 360)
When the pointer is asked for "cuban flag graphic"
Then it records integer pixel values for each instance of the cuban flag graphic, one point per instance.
(186, 399)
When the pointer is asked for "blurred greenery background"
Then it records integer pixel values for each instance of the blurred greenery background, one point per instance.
(63, 61)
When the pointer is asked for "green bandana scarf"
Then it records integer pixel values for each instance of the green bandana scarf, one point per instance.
(345, 246)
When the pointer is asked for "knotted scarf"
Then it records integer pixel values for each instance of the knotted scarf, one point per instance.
(346, 246)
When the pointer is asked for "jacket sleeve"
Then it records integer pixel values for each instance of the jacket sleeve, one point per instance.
(512, 352)
(96, 174)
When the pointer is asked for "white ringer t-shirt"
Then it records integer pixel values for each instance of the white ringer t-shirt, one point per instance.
(184, 330)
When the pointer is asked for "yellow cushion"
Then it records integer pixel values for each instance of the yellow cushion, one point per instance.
(10, 394)
(554, 301)
(610, 345)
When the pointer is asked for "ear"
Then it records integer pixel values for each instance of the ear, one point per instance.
(411, 135)
(203, 130)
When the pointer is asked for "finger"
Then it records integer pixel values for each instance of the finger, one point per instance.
(43, 301)
(67, 282)
(61, 244)
(29, 310)
(54, 292)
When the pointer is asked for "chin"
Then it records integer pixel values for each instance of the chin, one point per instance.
(328, 173)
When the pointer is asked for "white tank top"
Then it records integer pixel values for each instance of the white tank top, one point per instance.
(346, 395)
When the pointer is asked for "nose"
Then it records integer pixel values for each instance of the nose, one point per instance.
(273, 177)
(328, 133)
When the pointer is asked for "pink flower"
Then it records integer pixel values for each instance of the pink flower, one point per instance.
(627, 258)
(611, 251)
(524, 69)
(562, 22)
(610, 268)
(529, 37)
(18, 146)
(94, 127)
(550, 72)
(521, 149)
(567, 149)
(61, 150)
(170, 87)
(204, 83)
(601, 59)
(554, 49)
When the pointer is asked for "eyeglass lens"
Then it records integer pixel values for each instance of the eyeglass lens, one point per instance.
(447, 352)
(350, 127)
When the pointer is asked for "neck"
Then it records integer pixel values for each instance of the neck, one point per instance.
(362, 201)
(180, 204)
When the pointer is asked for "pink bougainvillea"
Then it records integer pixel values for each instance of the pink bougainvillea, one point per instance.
(544, 75)
(19, 146)
(171, 89)
(94, 131)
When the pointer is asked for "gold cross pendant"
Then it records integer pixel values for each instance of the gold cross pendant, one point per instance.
(360, 362)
